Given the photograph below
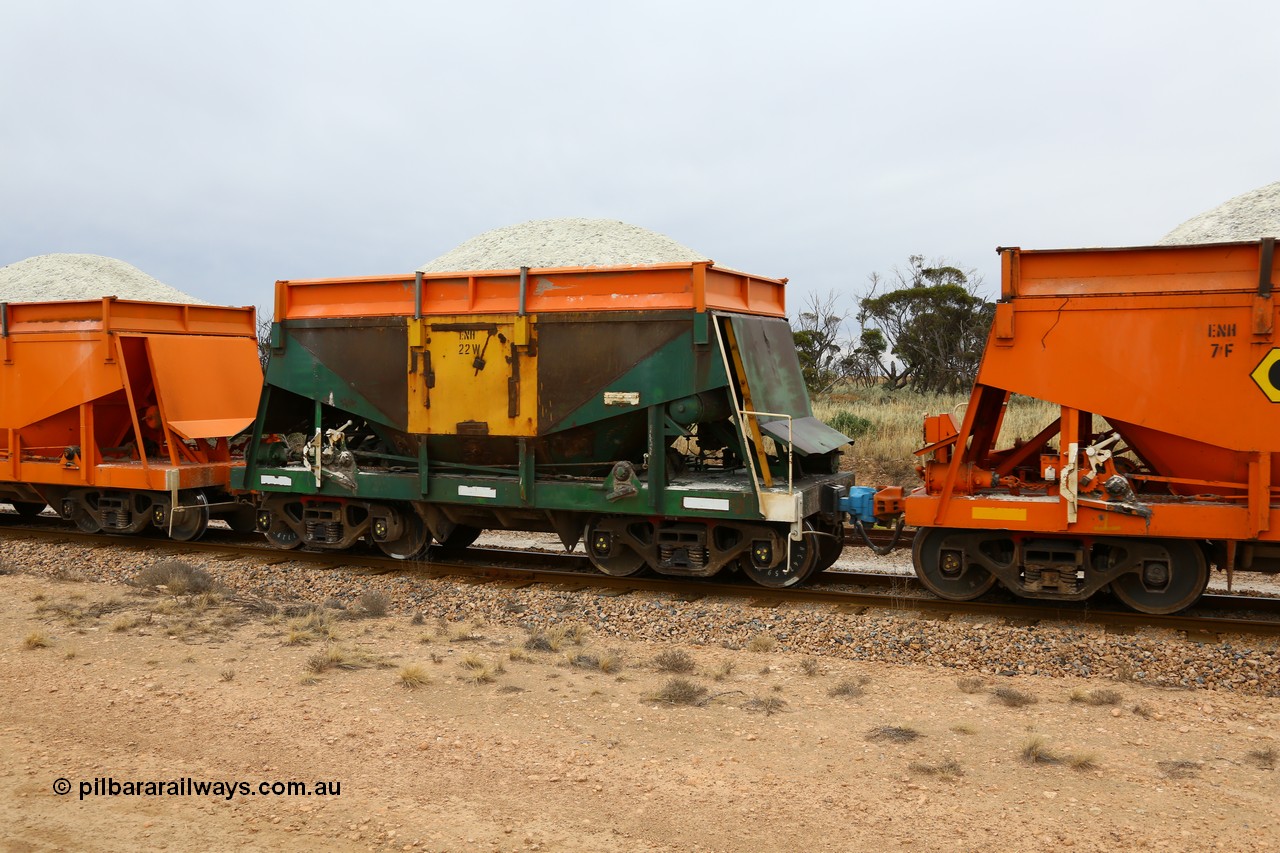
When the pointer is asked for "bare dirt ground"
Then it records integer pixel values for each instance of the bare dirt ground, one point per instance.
(565, 746)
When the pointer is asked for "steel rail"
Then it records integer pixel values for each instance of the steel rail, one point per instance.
(900, 593)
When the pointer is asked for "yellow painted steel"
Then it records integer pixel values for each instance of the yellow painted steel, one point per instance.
(473, 374)
(993, 513)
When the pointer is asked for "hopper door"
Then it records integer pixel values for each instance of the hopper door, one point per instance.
(473, 375)
(771, 370)
(198, 400)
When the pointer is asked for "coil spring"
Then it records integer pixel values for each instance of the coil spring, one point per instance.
(696, 557)
(115, 519)
(326, 532)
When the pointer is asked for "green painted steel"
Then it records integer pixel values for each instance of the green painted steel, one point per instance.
(505, 493)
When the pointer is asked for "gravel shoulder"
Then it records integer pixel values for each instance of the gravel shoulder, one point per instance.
(800, 735)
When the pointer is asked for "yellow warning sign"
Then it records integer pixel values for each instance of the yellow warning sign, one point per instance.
(1267, 375)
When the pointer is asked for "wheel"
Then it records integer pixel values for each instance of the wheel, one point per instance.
(282, 536)
(27, 510)
(610, 555)
(191, 520)
(85, 522)
(830, 546)
(1161, 586)
(944, 569)
(412, 542)
(460, 539)
(803, 562)
(243, 519)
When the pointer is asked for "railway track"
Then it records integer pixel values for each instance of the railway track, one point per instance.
(851, 591)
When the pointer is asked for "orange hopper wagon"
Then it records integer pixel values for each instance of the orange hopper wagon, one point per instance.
(119, 414)
(1164, 369)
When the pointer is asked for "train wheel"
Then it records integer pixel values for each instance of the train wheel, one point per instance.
(609, 555)
(460, 539)
(804, 560)
(411, 543)
(28, 510)
(243, 519)
(1161, 586)
(192, 521)
(84, 521)
(282, 536)
(942, 567)
(830, 542)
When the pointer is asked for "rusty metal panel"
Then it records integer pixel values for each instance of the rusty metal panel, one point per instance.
(581, 355)
(808, 435)
(773, 369)
(358, 365)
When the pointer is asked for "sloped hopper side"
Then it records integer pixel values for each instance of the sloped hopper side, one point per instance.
(208, 386)
(777, 384)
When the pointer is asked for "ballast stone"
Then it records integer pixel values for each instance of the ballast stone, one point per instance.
(1251, 216)
(568, 242)
(64, 277)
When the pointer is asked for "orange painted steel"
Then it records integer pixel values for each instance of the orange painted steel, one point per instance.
(85, 384)
(1174, 346)
(692, 286)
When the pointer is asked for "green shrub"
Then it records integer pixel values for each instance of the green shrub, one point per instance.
(845, 421)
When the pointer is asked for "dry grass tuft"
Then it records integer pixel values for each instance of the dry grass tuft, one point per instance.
(314, 625)
(723, 671)
(35, 640)
(1144, 710)
(1124, 673)
(1036, 751)
(849, 688)
(964, 729)
(1263, 759)
(1084, 761)
(552, 639)
(769, 705)
(373, 603)
(762, 643)
(125, 623)
(680, 691)
(1180, 768)
(177, 578)
(69, 654)
(414, 676)
(811, 667)
(336, 657)
(674, 660)
(894, 734)
(948, 768)
(1012, 697)
(1097, 697)
(971, 684)
(607, 663)
(465, 632)
(476, 670)
(227, 675)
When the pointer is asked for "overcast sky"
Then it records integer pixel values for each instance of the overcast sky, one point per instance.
(222, 146)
